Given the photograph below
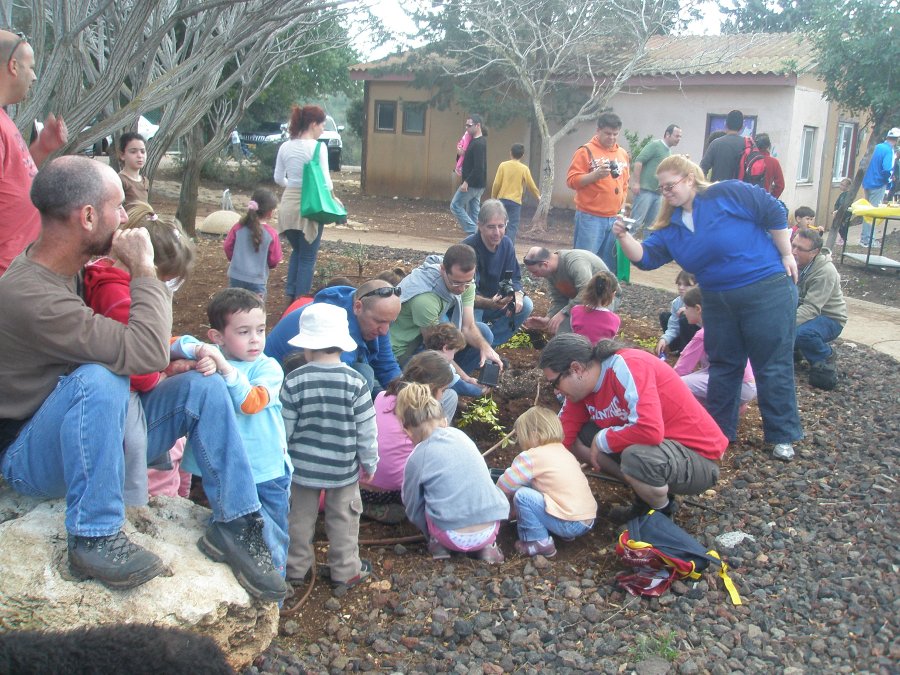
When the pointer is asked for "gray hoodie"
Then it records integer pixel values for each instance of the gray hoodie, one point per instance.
(426, 278)
(447, 479)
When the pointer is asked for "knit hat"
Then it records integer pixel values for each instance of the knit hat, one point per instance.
(322, 326)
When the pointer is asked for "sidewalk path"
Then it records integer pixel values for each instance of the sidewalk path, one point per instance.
(877, 326)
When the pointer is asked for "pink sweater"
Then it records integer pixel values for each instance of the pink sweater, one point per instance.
(595, 324)
(394, 446)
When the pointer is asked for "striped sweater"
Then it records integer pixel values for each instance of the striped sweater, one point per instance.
(330, 424)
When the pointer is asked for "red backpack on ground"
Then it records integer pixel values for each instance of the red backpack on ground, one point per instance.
(752, 168)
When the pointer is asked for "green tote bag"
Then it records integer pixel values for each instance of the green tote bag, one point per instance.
(316, 202)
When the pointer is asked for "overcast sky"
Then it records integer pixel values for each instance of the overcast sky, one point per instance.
(395, 18)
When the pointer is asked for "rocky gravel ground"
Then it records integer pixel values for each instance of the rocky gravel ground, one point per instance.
(813, 547)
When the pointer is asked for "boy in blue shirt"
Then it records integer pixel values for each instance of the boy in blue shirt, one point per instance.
(238, 330)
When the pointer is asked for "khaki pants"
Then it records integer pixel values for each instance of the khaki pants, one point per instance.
(342, 508)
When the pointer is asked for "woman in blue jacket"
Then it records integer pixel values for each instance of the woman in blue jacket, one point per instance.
(733, 237)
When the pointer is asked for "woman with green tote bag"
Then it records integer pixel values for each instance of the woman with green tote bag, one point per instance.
(305, 236)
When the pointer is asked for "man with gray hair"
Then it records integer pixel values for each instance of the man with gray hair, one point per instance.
(65, 375)
(500, 301)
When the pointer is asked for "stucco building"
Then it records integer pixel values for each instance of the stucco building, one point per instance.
(692, 81)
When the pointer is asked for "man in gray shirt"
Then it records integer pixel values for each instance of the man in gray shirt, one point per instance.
(723, 155)
(567, 273)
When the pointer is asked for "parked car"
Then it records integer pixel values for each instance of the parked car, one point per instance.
(263, 133)
(331, 137)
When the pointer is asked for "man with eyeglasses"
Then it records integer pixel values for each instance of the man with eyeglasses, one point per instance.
(21, 222)
(466, 202)
(567, 273)
(443, 289)
(599, 175)
(822, 312)
(370, 311)
(65, 375)
(496, 258)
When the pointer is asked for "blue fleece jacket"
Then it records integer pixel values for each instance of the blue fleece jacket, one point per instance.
(491, 265)
(878, 172)
(730, 246)
(377, 353)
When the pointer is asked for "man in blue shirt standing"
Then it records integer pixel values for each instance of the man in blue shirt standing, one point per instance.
(503, 312)
(877, 177)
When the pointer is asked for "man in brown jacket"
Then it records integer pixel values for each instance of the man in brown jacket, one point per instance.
(65, 376)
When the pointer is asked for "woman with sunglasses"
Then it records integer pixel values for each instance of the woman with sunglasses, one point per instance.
(733, 238)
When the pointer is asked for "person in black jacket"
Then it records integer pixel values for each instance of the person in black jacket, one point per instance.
(466, 203)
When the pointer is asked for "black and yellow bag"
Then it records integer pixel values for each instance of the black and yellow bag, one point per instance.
(658, 551)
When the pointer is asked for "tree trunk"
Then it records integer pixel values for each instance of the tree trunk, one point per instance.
(878, 132)
(545, 183)
(190, 183)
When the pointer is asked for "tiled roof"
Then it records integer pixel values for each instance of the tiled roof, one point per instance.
(744, 54)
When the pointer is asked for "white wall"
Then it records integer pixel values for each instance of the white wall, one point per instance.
(781, 112)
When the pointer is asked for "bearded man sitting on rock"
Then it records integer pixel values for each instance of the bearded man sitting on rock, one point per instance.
(65, 376)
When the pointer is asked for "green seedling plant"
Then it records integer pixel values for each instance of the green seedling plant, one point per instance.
(519, 340)
(359, 253)
(484, 409)
(645, 343)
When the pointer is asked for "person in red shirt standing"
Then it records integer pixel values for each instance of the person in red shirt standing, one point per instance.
(20, 223)
(773, 177)
(629, 414)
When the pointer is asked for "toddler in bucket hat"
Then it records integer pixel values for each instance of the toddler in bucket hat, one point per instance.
(324, 326)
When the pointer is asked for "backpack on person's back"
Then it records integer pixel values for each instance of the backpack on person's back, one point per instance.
(752, 168)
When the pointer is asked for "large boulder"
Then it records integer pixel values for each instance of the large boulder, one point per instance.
(37, 591)
(219, 222)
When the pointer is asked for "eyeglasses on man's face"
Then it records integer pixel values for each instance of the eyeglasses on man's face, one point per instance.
(797, 247)
(555, 381)
(383, 292)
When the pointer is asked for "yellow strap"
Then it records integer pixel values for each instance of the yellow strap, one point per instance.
(729, 584)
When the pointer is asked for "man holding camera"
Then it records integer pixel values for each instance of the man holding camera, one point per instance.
(499, 299)
(599, 176)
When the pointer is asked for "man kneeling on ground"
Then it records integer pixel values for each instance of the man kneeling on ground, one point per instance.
(65, 373)
(629, 414)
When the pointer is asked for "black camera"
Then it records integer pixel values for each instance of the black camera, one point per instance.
(506, 288)
(615, 169)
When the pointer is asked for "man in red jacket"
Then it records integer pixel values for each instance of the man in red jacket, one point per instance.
(629, 414)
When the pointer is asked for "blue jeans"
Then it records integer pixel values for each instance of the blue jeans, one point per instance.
(463, 388)
(500, 324)
(465, 207)
(644, 209)
(594, 234)
(468, 357)
(72, 446)
(874, 197)
(259, 289)
(275, 497)
(302, 264)
(513, 212)
(813, 337)
(535, 523)
(755, 322)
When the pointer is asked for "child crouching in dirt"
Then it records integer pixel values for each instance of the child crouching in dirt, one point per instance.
(447, 489)
(546, 485)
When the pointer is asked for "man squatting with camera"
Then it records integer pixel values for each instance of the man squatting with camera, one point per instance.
(599, 176)
(499, 300)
